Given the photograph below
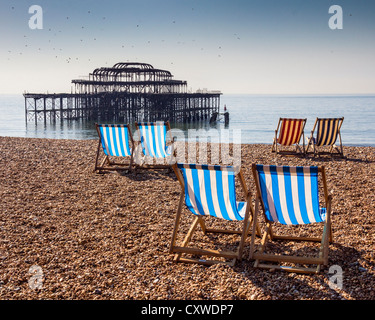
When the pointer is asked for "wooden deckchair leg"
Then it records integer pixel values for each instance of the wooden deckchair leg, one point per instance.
(331, 149)
(300, 149)
(256, 228)
(328, 236)
(106, 159)
(246, 225)
(131, 162)
(275, 139)
(341, 149)
(263, 243)
(188, 237)
(264, 239)
(310, 142)
(97, 157)
(255, 223)
(202, 224)
(177, 222)
(312, 137)
(274, 148)
(323, 247)
(307, 146)
(303, 142)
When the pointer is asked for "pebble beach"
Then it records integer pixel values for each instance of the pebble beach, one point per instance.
(106, 236)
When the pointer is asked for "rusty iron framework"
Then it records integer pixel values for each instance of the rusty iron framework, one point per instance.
(125, 92)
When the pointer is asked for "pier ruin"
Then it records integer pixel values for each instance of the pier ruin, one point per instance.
(126, 92)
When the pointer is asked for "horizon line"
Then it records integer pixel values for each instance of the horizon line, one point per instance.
(250, 94)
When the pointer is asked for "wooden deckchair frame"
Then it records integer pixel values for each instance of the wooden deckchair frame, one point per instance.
(140, 150)
(269, 235)
(311, 141)
(200, 220)
(108, 163)
(275, 145)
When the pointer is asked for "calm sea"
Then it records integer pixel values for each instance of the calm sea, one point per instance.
(255, 115)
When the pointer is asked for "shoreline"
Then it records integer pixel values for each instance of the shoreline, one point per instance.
(254, 143)
(106, 236)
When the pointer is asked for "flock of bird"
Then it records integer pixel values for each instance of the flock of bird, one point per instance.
(58, 52)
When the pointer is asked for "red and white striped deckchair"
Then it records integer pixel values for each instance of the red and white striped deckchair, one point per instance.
(291, 131)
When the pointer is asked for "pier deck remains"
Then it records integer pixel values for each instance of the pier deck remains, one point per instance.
(126, 92)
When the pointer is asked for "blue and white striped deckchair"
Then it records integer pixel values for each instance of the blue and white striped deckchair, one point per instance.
(114, 142)
(290, 196)
(153, 137)
(209, 190)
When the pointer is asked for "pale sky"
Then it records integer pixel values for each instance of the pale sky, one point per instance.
(236, 46)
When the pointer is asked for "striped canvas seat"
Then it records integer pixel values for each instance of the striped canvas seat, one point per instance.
(153, 151)
(209, 191)
(291, 131)
(115, 140)
(153, 139)
(328, 130)
(289, 195)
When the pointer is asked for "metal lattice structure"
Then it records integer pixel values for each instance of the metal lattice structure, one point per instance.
(125, 92)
